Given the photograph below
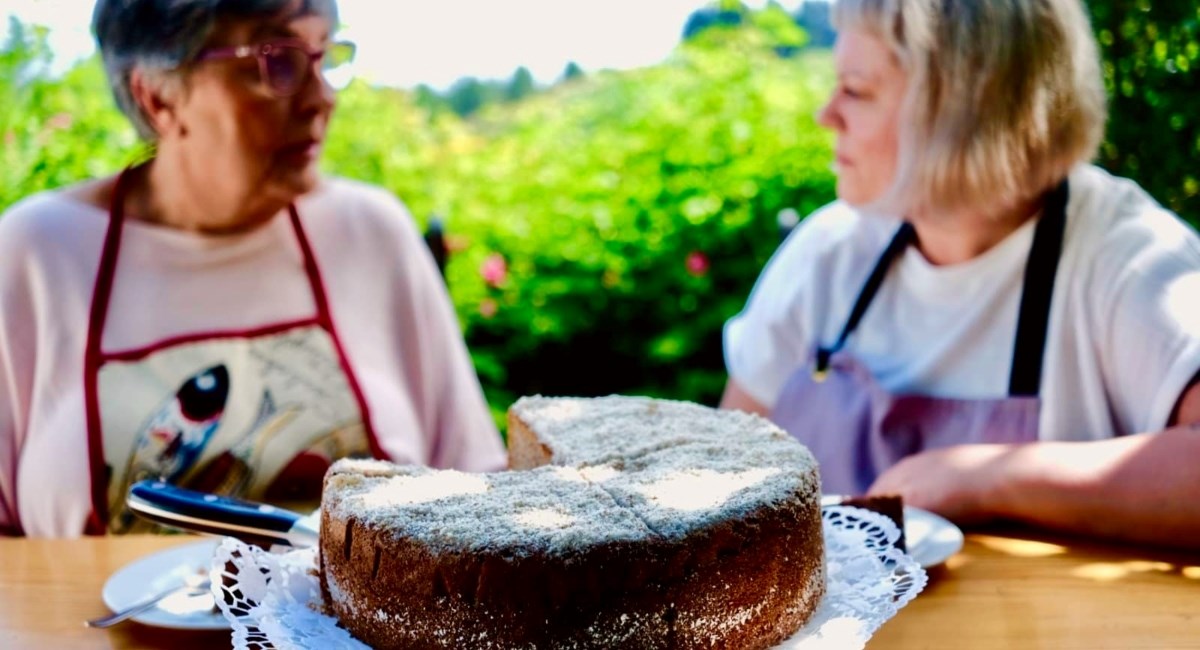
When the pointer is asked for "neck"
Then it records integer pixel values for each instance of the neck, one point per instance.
(167, 192)
(953, 237)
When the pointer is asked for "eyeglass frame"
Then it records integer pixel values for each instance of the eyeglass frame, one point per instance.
(261, 51)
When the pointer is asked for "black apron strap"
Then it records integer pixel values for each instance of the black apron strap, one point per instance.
(904, 236)
(1034, 321)
(1037, 291)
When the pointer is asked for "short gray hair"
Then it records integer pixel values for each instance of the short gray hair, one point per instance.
(1004, 98)
(166, 34)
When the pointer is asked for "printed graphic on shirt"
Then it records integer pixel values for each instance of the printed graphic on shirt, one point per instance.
(260, 418)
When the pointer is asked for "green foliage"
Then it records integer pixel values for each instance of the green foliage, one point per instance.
(1152, 74)
(633, 212)
(468, 95)
(54, 131)
(606, 229)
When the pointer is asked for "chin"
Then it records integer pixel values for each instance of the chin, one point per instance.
(852, 194)
(858, 194)
(299, 182)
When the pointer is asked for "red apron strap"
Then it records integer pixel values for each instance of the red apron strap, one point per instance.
(325, 318)
(101, 296)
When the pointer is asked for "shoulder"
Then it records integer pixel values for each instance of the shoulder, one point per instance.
(48, 221)
(1124, 234)
(837, 235)
(358, 204)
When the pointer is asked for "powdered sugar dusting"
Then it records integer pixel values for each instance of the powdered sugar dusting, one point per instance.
(403, 490)
(545, 518)
(700, 489)
(549, 510)
(609, 430)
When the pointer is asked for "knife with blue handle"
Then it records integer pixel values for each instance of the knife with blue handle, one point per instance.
(221, 515)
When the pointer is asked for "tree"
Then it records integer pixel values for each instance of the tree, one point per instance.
(572, 72)
(520, 85)
(814, 17)
(466, 96)
(704, 19)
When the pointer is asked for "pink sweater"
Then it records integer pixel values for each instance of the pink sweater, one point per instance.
(390, 308)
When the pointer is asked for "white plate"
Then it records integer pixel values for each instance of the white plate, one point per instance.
(155, 573)
(931, 539)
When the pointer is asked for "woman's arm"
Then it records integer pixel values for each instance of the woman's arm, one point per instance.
(1141, 488)
(736, 398)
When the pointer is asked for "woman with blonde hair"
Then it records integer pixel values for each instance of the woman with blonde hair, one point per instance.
(983, 323)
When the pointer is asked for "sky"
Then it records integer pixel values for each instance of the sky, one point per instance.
(408, 42)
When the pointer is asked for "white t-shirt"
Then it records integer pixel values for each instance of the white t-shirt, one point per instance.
(1124, 332)
(390, 308)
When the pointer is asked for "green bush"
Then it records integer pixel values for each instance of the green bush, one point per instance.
(1152, 74)
(620, 219)
(55, 131)
(633, 213)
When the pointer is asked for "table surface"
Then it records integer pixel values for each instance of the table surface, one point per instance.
(1006, 589)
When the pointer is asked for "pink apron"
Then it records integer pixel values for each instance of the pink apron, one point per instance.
(856, 429)
(257, 414)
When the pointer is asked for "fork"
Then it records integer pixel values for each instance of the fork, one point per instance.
(193, 585)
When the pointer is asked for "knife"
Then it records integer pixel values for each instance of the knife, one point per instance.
(215, 514)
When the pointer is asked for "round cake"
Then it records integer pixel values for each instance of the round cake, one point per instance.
(625, 523)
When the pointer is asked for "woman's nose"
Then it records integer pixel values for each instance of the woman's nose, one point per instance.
(828, 116)
(317, 94)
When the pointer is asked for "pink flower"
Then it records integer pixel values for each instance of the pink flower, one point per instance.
(697, 264)
(60, 121)
(494, 270)
(488, 308)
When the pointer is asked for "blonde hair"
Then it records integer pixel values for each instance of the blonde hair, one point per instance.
(1004, 96)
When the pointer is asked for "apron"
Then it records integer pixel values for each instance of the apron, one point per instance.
(856, 429)
(255, 414)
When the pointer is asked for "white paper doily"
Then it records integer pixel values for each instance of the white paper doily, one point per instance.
(270, 598)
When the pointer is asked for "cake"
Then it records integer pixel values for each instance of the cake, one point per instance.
(624, 523)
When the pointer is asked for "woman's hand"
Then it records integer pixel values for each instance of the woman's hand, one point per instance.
(959, 483)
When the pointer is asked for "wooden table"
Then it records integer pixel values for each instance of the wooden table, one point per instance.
(1017, 590)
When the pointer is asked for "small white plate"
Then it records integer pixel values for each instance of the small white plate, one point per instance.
(155, 573)
(930, 539)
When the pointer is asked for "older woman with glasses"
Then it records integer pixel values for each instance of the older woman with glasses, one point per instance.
(983, 323)
(222, 316)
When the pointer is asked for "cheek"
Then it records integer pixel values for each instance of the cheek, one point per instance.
(257, 126)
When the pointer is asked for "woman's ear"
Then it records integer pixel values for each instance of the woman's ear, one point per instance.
(158, 97)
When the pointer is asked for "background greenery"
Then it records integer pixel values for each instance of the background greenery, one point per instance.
(602, 229)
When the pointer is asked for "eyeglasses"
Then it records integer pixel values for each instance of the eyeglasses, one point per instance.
(284, 65)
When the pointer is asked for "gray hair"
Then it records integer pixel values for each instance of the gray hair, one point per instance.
(1005, 96)
(162, 35)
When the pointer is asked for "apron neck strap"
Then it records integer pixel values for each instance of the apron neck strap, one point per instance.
(1040, 270)
(905, 236)
(102, 295)
(1037, 291)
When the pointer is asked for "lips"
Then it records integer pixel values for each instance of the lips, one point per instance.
(306, 148)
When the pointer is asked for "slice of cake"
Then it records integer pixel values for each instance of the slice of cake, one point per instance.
(632, 523)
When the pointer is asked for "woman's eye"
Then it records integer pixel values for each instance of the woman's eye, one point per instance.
(853, 93)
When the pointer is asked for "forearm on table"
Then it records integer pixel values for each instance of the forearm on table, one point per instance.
(1142, 488)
